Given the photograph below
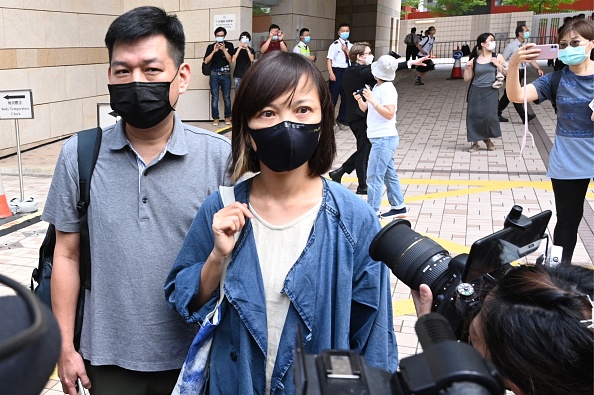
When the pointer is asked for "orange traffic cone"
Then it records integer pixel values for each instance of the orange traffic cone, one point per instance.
(4, 209)
(457, 69)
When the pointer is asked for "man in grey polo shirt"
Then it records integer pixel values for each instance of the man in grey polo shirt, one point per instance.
(152, 174)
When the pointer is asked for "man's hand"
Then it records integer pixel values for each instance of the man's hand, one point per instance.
(281, 35)
(423, 299)
(70, 368)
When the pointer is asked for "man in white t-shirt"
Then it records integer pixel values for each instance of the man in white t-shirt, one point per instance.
(381, 104)
(425, 47)
(337, 62)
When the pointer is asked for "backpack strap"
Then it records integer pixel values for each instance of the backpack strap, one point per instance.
(89, 142)
(555, 81)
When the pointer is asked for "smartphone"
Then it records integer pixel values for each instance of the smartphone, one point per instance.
(547, 51)
(80, 390)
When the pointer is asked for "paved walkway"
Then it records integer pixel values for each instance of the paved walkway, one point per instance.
(454, 197)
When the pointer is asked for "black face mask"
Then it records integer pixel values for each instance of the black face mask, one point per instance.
(141, 104)
(287, 145)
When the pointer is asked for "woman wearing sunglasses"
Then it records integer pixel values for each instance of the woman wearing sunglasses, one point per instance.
(571, 163)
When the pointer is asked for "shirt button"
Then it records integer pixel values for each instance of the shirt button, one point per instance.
(233, 356)
(144, 200)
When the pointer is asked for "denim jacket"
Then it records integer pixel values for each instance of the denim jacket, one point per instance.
(340, 297)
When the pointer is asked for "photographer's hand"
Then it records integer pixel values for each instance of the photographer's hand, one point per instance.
(423, 299)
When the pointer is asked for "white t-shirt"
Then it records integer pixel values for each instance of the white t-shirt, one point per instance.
(337, 55)
(378, 126)
(426, 45)
(279, 247)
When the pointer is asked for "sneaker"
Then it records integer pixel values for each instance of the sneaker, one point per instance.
(418, 80)
(474, 148)
(215, 122)
(502, 119)
(227, 121)
(394, 213)
(490, 145)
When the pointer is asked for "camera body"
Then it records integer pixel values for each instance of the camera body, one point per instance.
(445, 367)
(360, 92)
(457, 282)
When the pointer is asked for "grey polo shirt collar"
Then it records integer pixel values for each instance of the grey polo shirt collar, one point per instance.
(177, 144)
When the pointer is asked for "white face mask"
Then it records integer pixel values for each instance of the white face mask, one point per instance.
(491, 46)
(369, 59)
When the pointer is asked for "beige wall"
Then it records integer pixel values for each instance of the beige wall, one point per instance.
(55, 48)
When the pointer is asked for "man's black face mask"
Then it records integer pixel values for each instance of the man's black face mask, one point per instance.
(141, 104)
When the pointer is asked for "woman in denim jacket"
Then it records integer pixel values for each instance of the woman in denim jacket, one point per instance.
(302, 258)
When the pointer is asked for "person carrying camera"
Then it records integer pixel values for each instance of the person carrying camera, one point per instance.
(535, 325)
(218, 55)
(380, 104)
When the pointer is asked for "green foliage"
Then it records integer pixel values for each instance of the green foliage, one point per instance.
(259, 10)
(539, 6)
(411, 3)
(457, 7)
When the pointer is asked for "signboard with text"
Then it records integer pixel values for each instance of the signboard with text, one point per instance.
(226, 21)
(16, 105)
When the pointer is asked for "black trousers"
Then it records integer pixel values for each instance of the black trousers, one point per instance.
(335, 91)
(358, 159)
(114, 380)
(411, 52)
(504, 101)
(569, 202)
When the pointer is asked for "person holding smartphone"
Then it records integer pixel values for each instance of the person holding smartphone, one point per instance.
(571, 164)
(243, 57)
(218, 54)
(275, 41)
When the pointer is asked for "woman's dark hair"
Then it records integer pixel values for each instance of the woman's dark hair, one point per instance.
(479, 40)
(429, 30)
(220, 29)
(144, 22)
(246, 34)
(260, 86)
(531, 325)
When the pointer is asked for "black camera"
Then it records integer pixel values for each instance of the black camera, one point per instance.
(457, 281)
(445, 367)
(360, 92)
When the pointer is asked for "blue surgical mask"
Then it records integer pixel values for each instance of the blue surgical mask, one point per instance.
(344, 35)
(274, 38)
(245, 40)
(572, 56)
(526, 35)
(220, 39)
(306, 39)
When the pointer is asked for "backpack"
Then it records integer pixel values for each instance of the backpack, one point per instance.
(89, 142)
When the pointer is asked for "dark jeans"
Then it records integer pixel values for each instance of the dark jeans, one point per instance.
(335, 91)
(222, 81)
(411, 52)
(569, 202)
(504, 101)
(114, 380)
(358, 160)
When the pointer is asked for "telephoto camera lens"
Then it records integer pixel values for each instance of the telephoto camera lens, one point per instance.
(413, 258)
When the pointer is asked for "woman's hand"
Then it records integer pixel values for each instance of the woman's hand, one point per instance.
(225, 223)
(423, 299)
(525, 54)
(369, 96)
(470, 63)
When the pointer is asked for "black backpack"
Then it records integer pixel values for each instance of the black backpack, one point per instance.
(89, 142)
